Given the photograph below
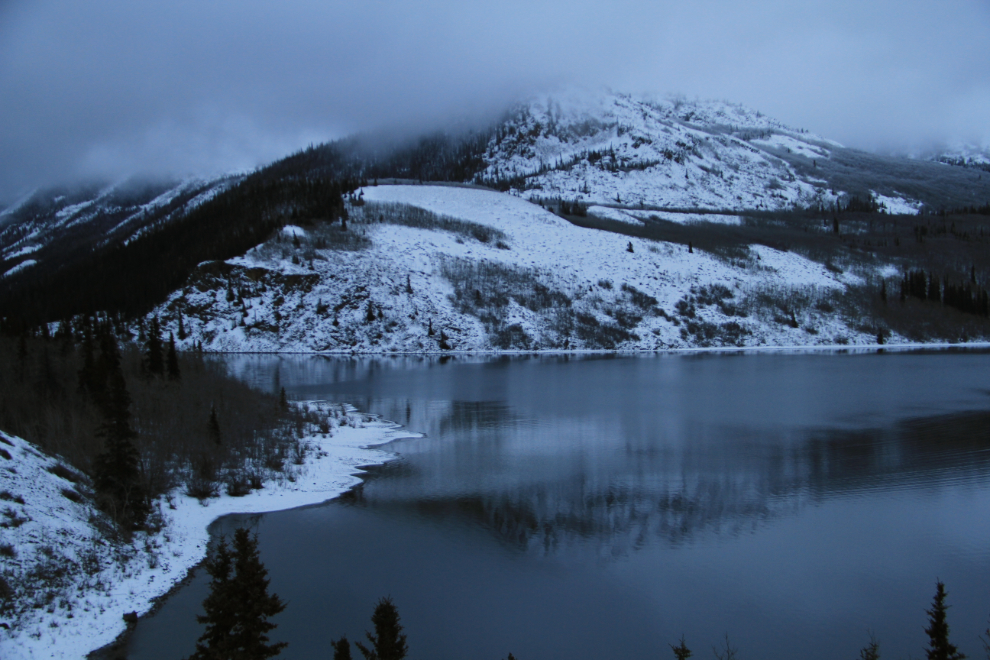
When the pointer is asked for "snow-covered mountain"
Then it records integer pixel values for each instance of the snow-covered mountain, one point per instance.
(47, 225)
(656, 152)
(964, 155)
(670, 152)
(614, 230)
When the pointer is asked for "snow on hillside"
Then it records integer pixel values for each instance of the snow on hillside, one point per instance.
(536, 282)
(69, 581)
(666, 152)
(116, 212)
(964, 155)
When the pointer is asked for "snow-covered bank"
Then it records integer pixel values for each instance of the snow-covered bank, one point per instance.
(83, 584)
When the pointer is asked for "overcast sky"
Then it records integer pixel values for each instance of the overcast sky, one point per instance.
(113, 87)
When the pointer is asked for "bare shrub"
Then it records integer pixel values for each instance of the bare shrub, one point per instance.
(66, 473)
(7, 496)
(411, 216)
(72, 495)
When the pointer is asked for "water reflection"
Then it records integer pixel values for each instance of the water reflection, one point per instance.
(599, 506)
(672, 496)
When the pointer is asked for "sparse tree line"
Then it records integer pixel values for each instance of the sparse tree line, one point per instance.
(939, 646)
(141, 418)
(239, 607)
(967, 297)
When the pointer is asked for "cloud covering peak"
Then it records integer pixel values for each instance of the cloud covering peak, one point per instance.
(109, 88)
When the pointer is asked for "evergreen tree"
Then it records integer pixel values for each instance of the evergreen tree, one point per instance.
(172, 359)
(218, 607)
(341, 648)
(388, 642)
(871, 651)
(182, 328)
(681, 651)
(213, 426)
(115, 471)
(87, 374)
(939, 647)
(238, 607)
(154, 361)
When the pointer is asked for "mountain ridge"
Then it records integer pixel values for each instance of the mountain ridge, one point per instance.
(670, 173)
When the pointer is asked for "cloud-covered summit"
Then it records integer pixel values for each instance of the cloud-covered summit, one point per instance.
(109, 88)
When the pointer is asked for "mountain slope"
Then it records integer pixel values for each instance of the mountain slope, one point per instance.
(674, 173)
(50, 225)
(673, 153)
(484, 270)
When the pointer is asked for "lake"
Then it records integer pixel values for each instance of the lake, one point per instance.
(602, 506)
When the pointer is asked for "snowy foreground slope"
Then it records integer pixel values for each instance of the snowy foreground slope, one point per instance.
(490, 271)
(72, 583)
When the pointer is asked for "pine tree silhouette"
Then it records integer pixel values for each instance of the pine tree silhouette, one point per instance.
(153, 360)
(115, 471)
(681, 651)
(388, 642)
(172, 359)
(238, 607)
(939, 647)
(213, 426)
(341, 648)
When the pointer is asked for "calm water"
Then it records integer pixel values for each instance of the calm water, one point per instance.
(600, 507)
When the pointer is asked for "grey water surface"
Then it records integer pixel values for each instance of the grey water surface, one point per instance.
(602, 506)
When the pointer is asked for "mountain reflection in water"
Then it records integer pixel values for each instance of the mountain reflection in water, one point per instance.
(675, 496)
(602, 506)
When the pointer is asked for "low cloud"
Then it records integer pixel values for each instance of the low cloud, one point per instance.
(108, 87)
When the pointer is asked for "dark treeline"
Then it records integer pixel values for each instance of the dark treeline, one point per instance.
(142, 421)
(967, 297)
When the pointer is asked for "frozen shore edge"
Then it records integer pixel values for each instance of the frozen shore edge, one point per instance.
(332, 465)
(902, 347)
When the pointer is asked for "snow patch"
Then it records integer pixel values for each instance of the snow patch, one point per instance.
(898, 205)
(27, 263)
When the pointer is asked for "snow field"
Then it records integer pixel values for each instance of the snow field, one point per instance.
(568, 259)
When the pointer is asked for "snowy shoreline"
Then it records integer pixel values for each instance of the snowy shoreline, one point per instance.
(794, 348)
(89, 617)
